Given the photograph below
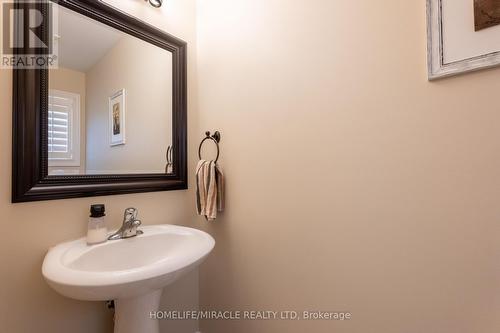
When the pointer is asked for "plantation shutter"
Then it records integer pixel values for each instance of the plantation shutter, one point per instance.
(63, 120)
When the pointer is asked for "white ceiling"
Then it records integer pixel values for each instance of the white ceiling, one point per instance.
(83, 41)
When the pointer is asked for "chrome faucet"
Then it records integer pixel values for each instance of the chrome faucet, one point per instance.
(129, 227)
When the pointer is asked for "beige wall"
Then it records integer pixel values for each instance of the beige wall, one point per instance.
(72, 81)
(353, 184)
(145, 72)
(27, 304)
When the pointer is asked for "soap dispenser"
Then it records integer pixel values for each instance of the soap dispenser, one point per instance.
(97, 231)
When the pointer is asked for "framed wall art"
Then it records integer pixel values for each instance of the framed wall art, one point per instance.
(462, 36)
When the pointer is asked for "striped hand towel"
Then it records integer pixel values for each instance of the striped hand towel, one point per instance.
(209, 189)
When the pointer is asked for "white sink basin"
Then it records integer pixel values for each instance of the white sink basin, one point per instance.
(130, 271)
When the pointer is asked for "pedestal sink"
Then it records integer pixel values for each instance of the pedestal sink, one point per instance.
(132, 272)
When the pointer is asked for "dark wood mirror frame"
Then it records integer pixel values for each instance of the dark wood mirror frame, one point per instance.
(30, 179)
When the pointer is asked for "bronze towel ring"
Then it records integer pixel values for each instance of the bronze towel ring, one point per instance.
(215, 138)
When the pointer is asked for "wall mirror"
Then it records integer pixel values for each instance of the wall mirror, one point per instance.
(110, 118)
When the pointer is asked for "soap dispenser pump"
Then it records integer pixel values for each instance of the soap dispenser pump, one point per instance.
(97, 231)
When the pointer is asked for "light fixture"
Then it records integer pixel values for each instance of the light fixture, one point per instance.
(155, 3)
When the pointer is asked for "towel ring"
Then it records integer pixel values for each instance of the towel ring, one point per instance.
(215, 138)
(170, 160)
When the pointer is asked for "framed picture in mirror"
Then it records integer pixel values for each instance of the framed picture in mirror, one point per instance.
(117, 118)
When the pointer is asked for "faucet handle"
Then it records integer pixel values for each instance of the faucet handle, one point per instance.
(130, 215)
(132, 230)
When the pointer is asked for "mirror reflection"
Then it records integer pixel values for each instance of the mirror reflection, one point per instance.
(110, 102)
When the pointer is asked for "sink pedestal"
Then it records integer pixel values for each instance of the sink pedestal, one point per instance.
(132, 315)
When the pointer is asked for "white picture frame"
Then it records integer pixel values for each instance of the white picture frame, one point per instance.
(117, 118)
(437, 45)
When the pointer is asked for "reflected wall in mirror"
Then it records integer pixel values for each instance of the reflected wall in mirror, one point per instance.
(110, 102)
